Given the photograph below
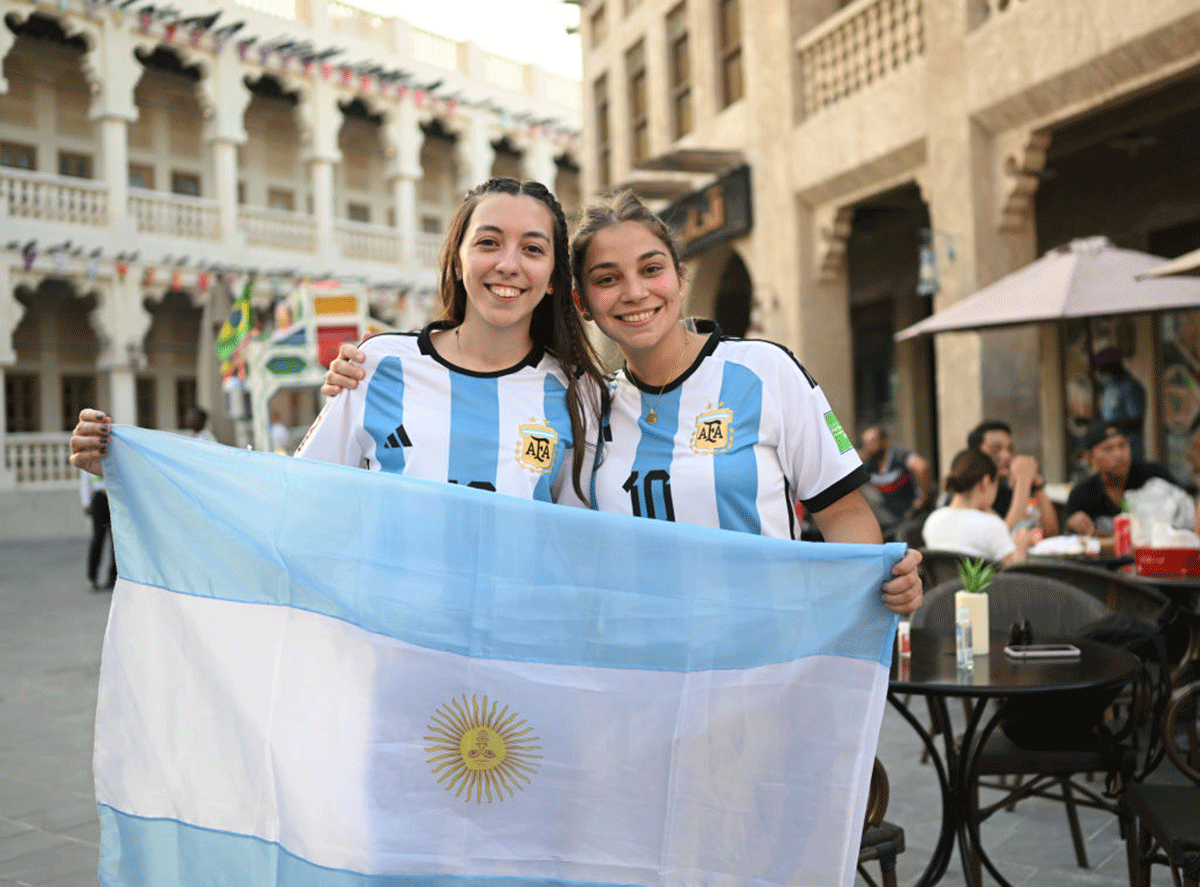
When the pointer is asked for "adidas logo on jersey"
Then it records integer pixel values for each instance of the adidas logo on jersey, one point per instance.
(398, 438)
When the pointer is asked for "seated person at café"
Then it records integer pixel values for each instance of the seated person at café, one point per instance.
(1096, 500)
(1020, 481)
(900, 477)
(967, 523)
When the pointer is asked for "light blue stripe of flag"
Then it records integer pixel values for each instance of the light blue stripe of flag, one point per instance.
(517, 579)
(203, 857)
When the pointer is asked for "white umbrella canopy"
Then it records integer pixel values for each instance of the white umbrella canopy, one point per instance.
(1188, 263)
(1088, 277)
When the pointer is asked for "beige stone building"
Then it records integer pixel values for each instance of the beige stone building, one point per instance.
(985, 131)
(153, 157)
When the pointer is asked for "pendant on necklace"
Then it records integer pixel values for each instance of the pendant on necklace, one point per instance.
(652, 417)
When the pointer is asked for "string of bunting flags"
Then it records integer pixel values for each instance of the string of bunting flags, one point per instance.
(175, 273)
(281, 52)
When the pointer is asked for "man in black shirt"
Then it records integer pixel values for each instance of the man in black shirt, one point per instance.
(1020, 480)
(1095, 501)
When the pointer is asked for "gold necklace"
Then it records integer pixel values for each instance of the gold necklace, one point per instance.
(652, 416)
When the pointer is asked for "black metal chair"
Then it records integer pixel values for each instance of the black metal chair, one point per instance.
(908, 532)
(1052, 608)
(1161, 819)
(882, 841)
(1119, 592)
(941, 566)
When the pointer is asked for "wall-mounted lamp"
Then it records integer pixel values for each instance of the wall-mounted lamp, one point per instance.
(929, 282)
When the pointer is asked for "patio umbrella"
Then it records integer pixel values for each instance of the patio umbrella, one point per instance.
(1088, 277)
(1188, 263)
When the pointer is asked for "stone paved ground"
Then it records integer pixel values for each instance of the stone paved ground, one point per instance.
(51, 628)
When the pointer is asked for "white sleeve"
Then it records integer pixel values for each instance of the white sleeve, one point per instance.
(336, 434)
(999, 541)
(815, 451)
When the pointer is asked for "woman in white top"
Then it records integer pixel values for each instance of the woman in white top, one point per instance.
(968, 523)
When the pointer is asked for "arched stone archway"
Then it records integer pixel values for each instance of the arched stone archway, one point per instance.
(56, 349)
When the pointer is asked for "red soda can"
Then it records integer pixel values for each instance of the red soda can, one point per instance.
(1122, 539)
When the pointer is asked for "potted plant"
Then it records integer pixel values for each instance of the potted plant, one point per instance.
(975, 576)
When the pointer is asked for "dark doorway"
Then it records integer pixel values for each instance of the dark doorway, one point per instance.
(733, 298)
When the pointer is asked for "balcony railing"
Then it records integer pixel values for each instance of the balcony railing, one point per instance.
(377, 243)
(175, 215)
(278, 228)
(434, 49)
(40, 458)
(860, 45)
(31, 195)
(348, 19)
(429, 250)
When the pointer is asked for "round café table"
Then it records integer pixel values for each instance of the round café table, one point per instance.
(931, 671)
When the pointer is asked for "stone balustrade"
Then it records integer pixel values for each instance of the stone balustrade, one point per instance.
(429, 250)
(41, 458)
(278, 228)
(377, 243)
(176, 215)
(47, 198)
(860, 45)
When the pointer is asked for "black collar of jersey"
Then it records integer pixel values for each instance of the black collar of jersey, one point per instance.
(425, 343)
(708, 327)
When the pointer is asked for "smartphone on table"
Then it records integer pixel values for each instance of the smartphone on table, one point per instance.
(1042, 651)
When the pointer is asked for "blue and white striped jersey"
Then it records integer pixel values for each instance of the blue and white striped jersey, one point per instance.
(740, 436)
(415, 413)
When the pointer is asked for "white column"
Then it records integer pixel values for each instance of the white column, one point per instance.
(225, 97)
(403, 136)
(474, 153)
(10, 315)
(321, 173)
(112, 77)
(7, 39)
(404, 199)
(321, 120)
(121, 323)
(115, 165)
(225, 181)
(7, 479)
(539, 162)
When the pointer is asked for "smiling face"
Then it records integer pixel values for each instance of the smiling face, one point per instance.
(632, 288)
(505, 260)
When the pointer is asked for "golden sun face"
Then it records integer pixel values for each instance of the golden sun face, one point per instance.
(479, 751)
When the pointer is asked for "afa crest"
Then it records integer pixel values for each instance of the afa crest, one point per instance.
(713, 432)
(537, 446)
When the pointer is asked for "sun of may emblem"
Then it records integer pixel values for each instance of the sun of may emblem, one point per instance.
(480, 751)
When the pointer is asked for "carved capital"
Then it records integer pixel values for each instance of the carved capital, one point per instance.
(833, 228)
(1022, 170)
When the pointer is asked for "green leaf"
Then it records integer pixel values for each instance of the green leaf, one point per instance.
(975, 574)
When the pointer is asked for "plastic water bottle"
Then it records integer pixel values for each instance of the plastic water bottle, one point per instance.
(963, 645)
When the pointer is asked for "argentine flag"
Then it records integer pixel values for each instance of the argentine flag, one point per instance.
(316, 675)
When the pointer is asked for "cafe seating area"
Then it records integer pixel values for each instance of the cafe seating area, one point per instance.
(1130, 788)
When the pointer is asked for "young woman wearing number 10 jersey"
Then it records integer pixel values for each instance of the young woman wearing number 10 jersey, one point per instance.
(702, 429)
